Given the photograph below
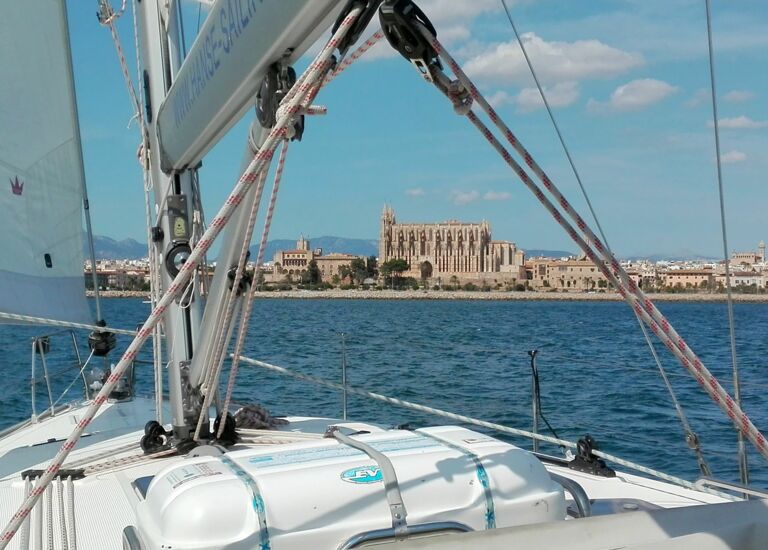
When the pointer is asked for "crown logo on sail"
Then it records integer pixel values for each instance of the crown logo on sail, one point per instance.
(17, 187)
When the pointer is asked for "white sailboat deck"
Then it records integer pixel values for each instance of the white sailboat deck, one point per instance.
(107, 498)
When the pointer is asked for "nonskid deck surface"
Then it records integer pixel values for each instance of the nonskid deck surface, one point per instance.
(106, 501)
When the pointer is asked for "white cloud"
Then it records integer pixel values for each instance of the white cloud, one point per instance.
(554, 61)
(559, 95)
(738, 96)
(464, 197)
(497, 99)
(699, 98)
(452, 19)
(497, 196)
(415, 192)
(741, 123)
(440, 11)
(733, 156)
(634, 95)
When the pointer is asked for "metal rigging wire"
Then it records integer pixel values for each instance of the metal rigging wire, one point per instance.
(743, 466)
(690, 436)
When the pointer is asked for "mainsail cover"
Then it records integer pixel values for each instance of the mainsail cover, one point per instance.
(41, 166)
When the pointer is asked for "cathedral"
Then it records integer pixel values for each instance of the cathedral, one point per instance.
(448, 249)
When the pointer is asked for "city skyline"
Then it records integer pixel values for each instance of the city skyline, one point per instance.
(647, 156)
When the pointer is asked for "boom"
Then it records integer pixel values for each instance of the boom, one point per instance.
(221, 75)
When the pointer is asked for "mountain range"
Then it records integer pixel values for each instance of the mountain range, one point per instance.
(107, 248)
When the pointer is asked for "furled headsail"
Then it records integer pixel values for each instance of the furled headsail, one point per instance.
(41, 166)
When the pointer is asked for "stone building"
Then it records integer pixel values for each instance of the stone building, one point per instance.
(569, 275)
(331, 264)
(449, 249)
(688, 278)
(749, 258)
(293, 263)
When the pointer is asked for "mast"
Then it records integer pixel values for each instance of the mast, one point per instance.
(190, 103)
(173, 195)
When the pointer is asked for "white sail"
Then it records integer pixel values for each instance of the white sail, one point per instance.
(41, 173)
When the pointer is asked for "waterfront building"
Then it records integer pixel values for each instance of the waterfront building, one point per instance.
(743, 279)
(117, 275)
(576, 275)
(294, 263)
(688, 278)
(749, 258)
(450, 250)
(331, 265)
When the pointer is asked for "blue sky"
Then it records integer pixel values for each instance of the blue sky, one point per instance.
(629, 80)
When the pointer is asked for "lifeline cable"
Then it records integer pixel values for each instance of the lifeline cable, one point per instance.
(482, 423)
(65, 324)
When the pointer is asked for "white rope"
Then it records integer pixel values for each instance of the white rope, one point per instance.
(482, 423)
(49, 515)
(71, 507)
(248, 299)
(66, 324)
(224, 333)
(127, 461)
(308, 109)
(74, 381)
(25, 527)
(62, 515)
(109, 21)
(105, 454)
(38, 534)
(218, 357)
(344, 65)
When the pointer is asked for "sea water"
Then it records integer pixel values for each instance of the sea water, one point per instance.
(471, 357)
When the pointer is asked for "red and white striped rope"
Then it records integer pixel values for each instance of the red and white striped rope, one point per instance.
(357, 54)
(248, 305)
(602, 258)
(212, 376)
(114, 15)
(110, 23)
(177, 285)
(308, 109)
(272, 202)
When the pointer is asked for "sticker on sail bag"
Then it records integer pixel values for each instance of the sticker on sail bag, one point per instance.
(363, 474)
